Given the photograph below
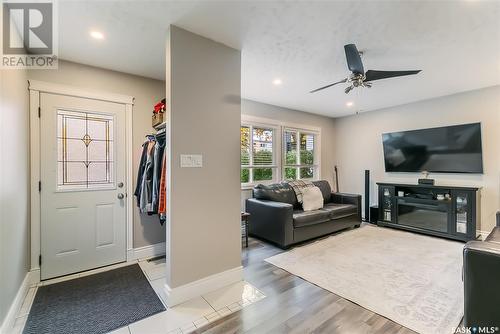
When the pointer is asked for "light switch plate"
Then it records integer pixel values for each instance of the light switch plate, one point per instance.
(186, 161)
(197, 160)
(191, 161)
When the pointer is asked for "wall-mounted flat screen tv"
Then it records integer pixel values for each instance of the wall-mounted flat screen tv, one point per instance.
(449, 149)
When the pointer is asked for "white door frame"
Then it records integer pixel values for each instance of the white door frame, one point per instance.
(35, 88)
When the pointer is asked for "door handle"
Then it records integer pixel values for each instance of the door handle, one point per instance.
(121, 196)
(120, 184)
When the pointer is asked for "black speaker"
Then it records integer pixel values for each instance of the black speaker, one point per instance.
(367, 195)
(374, 214)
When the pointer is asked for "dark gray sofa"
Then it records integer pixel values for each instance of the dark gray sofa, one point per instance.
(276, 216)
(481, 275)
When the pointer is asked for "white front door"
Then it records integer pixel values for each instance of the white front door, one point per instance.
(83, 205)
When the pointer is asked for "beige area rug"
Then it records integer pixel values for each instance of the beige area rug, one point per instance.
(412, 279)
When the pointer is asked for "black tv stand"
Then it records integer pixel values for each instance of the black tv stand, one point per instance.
(445, 211)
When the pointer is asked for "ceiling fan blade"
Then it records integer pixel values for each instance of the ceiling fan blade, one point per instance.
(354, 62)
(330, 85)
(377, 75)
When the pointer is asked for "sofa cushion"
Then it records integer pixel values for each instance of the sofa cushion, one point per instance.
(494, 236)
(338, 211)
(305, 218)
(278, 192)
(325, 188)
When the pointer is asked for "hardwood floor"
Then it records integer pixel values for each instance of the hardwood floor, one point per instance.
(294, 305)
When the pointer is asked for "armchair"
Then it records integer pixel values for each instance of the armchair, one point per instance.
(481, 275)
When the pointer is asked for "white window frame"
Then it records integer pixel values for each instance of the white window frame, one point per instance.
(274, 165)
(298, 165)
(278, 147)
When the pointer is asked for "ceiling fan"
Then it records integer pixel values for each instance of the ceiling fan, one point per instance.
(358, 77)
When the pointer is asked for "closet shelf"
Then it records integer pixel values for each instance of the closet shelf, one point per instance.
(160, 126)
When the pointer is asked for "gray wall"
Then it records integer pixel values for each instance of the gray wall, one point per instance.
(203, 90)
(147, 93)
(14, 184)
(326, 124)
(359, 143)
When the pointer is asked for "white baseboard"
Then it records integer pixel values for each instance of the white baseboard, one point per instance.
(146, 252)
(202, 286)
(32, 278)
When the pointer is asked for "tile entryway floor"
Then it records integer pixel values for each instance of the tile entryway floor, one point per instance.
(183, 318)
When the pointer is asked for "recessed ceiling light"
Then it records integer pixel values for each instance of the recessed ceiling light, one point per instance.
(349, 104)
(277, 82)
(97, 34)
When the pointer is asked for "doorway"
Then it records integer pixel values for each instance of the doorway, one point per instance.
(83, 183)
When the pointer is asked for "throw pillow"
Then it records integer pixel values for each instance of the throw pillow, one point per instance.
(312, 198)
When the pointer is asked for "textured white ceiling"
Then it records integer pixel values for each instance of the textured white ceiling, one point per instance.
(456, 44)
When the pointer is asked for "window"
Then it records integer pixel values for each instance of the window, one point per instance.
(261, 162)
(257, 154)
(300, 154)
(85, 150)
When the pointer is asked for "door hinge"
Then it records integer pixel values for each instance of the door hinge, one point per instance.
(39, 186)
(40, 259)
(39, 112)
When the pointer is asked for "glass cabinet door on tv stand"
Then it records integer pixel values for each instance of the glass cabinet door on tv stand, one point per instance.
(462, 212)
(387, 206)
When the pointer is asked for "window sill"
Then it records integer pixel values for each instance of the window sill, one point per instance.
(250, 186)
